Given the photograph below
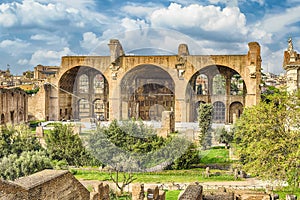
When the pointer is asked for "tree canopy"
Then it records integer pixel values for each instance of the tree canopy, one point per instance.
(63, 144)
(268, 138)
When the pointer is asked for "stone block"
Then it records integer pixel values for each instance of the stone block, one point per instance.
(138, 192)
(290, 197)
(153, 193)
(192, 192)
(162, 195)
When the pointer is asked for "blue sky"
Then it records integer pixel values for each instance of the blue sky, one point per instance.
(36, 32)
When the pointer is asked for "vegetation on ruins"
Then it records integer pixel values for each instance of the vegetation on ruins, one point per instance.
(14, 166)
(205, 112)
(64, 145)
(17, 139)
(268, 139)
(132, 146)
(223, 136)
(20, 153)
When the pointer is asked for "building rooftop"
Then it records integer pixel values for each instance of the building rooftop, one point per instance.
(39, 178)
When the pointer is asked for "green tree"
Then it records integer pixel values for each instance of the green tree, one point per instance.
(224, 136)
(188, 159)
(63, 144)
(132, 146)
(268, 139)
(17, 139)
(205, 119)
(29, 162)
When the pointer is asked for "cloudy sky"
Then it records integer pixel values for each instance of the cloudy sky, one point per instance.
(36, 32)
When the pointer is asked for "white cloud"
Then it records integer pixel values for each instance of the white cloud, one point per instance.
(47, 14)
(130, 24)
(14, 47)
(50, 39)
(48, 57)
(272, 60)
(90, 41)
(281, 22)
(23, 61)
(140, 10)
(208, 18)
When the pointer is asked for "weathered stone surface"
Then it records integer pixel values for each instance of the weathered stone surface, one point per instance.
(219, 196)
(13, 106)
(192, 192)
(251, 195)
(44, 185)
(58, 103)
(138, 192)
(167, 124)
(153, 193)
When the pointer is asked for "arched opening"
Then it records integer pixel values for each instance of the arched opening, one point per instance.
(2, 119)
(236, 110)
(79, 87)
(219, 112)
(219, 85)
(12, 117)
(201, 85)
(99, 109)
(83, 83)
(146, 92)
(237, 85)
(21, 116)
(215, 83)
(84, 109)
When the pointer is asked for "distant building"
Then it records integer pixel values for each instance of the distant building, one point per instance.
(43, 72)
(291, 63)
(13, 106)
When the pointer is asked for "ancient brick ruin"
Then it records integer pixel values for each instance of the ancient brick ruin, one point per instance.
(13, 106)
(123, 86)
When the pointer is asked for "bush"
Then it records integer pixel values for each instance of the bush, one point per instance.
(14, 166)
(15, 140)
(64, 145)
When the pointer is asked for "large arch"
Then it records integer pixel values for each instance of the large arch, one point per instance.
(216, 83)
(79, 87)
(146, 91)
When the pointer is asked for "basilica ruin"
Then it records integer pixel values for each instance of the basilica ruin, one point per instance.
(123, 86)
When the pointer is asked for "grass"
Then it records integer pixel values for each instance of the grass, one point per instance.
(172, 194)
(168, 176)
(213, 156)
(284, 191)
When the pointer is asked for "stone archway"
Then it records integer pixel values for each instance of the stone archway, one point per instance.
(236, 110)
(78, 89)
(216, 83)
(146, 91)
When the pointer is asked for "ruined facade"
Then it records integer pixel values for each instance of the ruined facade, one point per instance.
(291, 63)
(123, 86)
(13, 106)
(46, 184)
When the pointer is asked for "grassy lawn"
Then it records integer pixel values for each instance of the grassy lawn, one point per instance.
(213, 156)
(284, 191)
(167, 176)
(172, 194)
